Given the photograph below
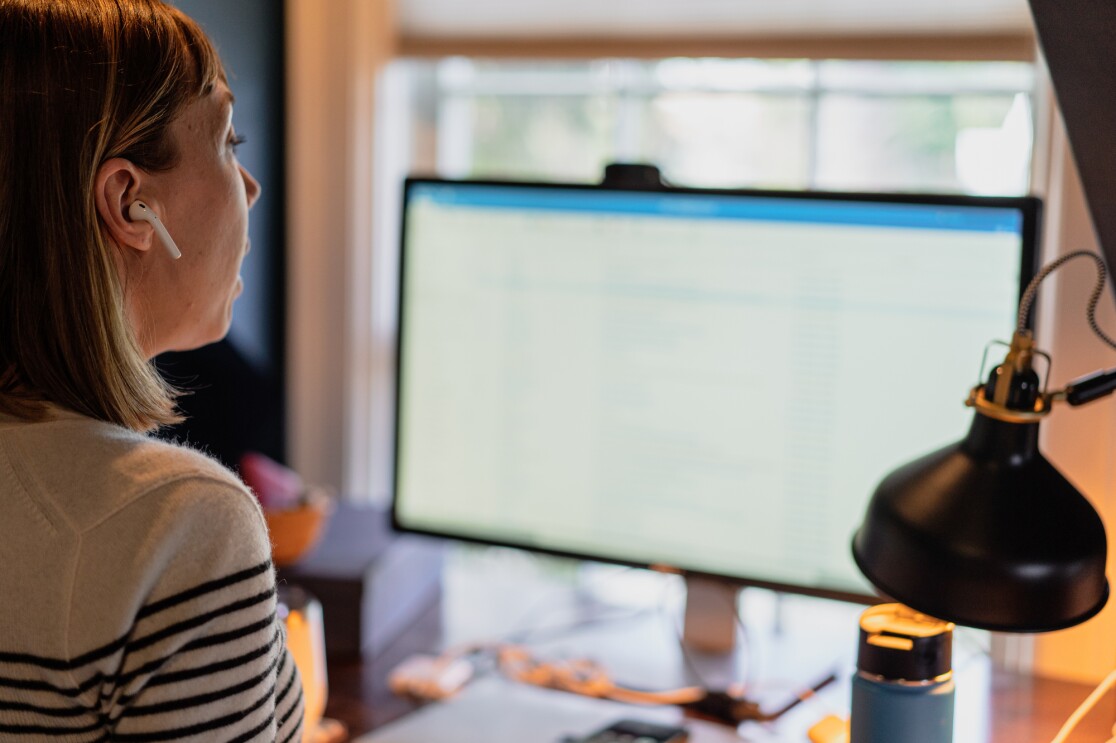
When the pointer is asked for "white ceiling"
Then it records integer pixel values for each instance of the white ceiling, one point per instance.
(552, 18)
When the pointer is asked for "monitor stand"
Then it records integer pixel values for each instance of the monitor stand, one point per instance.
(711, 615)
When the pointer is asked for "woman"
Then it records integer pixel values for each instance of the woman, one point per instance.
(137, 596)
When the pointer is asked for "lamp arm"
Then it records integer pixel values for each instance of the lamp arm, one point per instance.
(1089, 387)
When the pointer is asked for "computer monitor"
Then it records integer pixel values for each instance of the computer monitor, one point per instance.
(712, 381)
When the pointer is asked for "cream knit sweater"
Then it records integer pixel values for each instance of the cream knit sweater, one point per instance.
(137, 595)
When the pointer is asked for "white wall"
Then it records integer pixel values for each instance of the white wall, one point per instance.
(335, 51)
(1079, 441)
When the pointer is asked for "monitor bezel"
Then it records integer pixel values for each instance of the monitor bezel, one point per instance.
(1030, 207)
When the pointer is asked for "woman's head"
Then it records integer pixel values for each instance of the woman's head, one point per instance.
(104, 102)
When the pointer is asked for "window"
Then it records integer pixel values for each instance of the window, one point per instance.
(837, 125)
(921, 126)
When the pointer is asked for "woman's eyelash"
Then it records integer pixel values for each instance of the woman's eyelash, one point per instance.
(237, 140)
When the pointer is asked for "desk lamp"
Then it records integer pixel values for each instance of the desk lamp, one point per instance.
(986, 532)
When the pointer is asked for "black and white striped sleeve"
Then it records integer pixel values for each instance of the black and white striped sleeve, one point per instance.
(205, 657)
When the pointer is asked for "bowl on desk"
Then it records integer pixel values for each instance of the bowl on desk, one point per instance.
(296, 529)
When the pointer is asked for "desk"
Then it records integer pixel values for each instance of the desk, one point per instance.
(993, 706)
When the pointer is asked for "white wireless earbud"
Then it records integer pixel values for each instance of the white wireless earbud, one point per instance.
(139, 212)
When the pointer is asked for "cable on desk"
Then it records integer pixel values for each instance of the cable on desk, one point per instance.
(437, 677)
(728, 709)
(1086, 706)
(588, 678)
(582, 676)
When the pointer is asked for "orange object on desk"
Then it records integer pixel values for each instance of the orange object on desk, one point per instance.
(296, 514)
(295, 531)
(327, 731)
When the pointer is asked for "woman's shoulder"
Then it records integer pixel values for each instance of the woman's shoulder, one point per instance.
(91, 471)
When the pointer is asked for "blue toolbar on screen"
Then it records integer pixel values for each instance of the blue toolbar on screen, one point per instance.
(912, 216)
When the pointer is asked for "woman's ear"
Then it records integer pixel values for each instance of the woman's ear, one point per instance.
(115, 187)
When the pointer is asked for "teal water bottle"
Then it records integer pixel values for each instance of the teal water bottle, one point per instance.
(903, 688)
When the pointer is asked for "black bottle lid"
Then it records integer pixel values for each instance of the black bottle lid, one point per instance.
(900, 644)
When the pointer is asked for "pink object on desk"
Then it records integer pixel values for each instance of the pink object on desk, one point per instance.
(296, 514)
(276, 486)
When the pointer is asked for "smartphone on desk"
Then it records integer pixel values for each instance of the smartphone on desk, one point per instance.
(635, 731)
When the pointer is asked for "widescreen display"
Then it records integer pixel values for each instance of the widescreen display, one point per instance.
(706, 380)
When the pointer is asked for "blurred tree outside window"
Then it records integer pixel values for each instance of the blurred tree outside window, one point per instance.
(956, 127)
(961, 127)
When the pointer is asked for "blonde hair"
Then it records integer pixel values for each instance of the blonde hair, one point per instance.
(82, 81)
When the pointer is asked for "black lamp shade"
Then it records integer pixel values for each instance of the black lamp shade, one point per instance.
(986, 533)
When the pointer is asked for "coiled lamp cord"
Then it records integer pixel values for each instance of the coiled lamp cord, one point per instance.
(1094, 298)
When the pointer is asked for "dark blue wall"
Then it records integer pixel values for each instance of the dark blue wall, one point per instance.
(235, 400)
(249, 36)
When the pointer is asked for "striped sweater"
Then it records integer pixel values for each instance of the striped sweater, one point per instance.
(137, 596)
